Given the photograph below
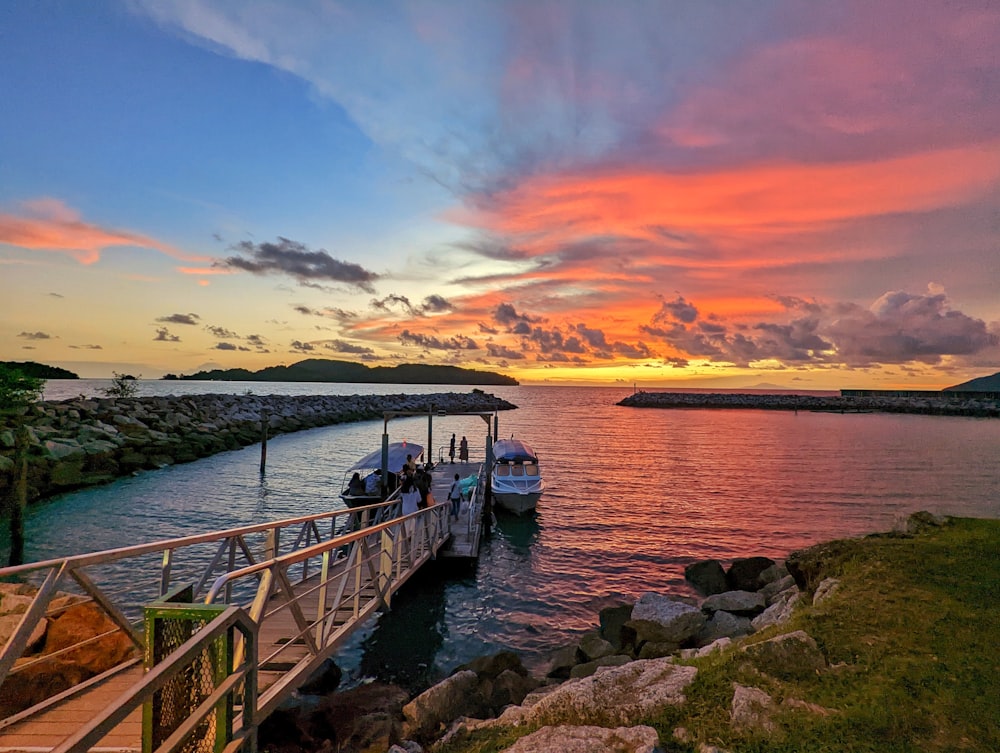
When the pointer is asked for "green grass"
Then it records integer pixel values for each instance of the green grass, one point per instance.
(912, 638)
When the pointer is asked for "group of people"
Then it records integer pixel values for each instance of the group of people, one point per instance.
(415, 483)
(415, 492)
(463, 450)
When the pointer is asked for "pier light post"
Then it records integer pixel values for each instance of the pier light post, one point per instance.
(385, 455)
(429, 458)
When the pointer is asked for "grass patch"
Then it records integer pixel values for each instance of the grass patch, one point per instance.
(911, 638)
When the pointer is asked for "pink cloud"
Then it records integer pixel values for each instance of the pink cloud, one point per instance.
(49, 225)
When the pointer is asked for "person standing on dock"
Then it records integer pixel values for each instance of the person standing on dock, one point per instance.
(455, 497)
(451, 449)
(463, 450)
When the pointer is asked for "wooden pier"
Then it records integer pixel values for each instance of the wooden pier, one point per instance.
(285, 595)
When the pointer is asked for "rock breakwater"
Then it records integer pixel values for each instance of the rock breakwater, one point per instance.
(87, 441)
(947, 404)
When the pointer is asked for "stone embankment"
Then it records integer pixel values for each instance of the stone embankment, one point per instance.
(86, 441)
(947, 404)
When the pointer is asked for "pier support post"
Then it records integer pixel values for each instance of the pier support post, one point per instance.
(265, 420)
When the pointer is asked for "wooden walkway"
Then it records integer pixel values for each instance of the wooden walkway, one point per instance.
(352, 576)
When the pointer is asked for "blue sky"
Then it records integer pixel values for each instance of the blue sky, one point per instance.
(666, 193)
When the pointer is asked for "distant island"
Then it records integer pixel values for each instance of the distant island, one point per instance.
(323, 370)
(39, 370)
(980, 384)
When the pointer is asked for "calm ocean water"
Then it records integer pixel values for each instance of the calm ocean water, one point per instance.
(633, 496)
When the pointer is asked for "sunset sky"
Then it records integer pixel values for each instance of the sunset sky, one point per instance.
(689, 194)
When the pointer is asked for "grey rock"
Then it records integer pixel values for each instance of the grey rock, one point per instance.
(615, 696)
(780, 611)
(588, 668)
(738, 602)
(654, 650)
(660, 619)
(751, 709)
(451, 698)
(826, 588)
(62, 449)
(563, 660)
(592, 646)
(745, 573)
(775, 587)
(777, 571)
(588, 739)
(613, 619)
(724, 625)
(792, 656)
(707, 576)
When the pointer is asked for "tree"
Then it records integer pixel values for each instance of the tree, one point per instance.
(17, 392)
(123, 385)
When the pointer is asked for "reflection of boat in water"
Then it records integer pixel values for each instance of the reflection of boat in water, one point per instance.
(366, 489)
(516, 477)
(519, 531)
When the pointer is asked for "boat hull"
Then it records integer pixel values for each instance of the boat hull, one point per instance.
(517, 503)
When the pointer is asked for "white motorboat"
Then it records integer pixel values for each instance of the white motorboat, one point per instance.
(516, 479)
(366, 489)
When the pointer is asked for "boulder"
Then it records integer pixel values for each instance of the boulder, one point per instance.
(614, 696)
(588, 668)
(745, 573)
(826, 588)
(587, 739)
(792, 656)
(922, 521)
(777, 571)
(751, 710)
(562, 661)
(613, 619)
(592, 646)
(10, 622)
(507, 688)
(451, 698)
(654, 650)
(724, 625)
(737, 602)
(660, 619)
(776, 587)
(83, 621)
(809, 566)
(707, 576)
(495, 664)
(780, 611)
(713, 647)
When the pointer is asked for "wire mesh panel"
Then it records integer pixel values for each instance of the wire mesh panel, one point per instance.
(170, 622)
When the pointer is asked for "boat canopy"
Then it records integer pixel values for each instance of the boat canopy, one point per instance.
(397, 456)
(513, 451)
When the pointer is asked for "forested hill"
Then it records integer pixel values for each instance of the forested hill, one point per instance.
(980, 384)
(322, 370)
(39, 370)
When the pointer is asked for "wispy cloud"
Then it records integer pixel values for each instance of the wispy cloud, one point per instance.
(50, 225)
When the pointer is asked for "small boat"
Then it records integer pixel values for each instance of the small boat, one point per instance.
(516, 480)
(367, 488)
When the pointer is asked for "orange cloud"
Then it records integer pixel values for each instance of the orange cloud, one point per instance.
(554, 210)
(50, 225)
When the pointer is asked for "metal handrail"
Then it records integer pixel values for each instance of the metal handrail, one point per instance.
(381, 556)
(244, 672)
(233, 549)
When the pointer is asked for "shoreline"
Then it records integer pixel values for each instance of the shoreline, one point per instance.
(954, 404)
(82, 442)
